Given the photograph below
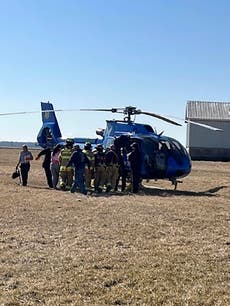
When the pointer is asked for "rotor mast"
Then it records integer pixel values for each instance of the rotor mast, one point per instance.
(130, 111)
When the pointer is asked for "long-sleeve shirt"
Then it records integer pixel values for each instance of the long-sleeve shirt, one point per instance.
(78, 159)
(99, 158)
(111, 158)
(25, 157)
(47, 159)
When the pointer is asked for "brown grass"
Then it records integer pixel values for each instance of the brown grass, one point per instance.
(160, 247)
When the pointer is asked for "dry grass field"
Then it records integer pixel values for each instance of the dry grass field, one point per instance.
(159, 247)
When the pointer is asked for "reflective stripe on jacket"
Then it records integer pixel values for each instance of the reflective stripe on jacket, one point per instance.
(65, 156)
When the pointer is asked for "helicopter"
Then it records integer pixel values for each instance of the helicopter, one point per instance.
(162, 157)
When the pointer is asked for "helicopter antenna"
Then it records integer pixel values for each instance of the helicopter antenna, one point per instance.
(160, 133)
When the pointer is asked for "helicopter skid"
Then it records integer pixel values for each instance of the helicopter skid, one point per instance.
(175, 182)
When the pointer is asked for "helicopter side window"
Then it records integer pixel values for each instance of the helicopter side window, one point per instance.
(109, 142)
(180, 147)
(164, 146)
(176, 145)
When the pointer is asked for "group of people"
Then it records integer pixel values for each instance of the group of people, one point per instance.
(72, 168)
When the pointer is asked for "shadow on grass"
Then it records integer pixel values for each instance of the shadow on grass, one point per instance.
(154, 191)
(150, 191)
(33, 186)
(147, 191)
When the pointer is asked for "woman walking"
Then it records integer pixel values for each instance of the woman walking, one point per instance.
(55, 165)
(25, 157)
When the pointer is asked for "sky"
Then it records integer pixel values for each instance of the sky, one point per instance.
(155, 55)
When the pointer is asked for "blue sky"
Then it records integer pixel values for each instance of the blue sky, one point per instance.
(155, 55)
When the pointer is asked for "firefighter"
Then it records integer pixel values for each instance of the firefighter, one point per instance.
(134, 157)
(66, 173)
(100, 173)
(89, 170)
(112, 168)
(79, 160)
(124, 167)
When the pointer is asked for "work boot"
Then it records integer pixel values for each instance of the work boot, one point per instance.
(108, 188)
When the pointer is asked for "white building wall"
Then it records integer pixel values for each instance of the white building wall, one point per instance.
(199, 137)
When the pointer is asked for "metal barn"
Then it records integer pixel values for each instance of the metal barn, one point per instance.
(203, 143)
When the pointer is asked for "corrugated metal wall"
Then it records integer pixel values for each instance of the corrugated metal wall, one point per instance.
(206, 144)
(208, 110)
(202, 137)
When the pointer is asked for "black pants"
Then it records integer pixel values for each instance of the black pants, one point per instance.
(48, 176)
(136, 181)
(25, 168)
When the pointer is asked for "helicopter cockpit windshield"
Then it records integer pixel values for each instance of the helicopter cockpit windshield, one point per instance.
(157, 153)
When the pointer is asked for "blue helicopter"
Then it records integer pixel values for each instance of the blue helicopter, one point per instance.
(162, 157)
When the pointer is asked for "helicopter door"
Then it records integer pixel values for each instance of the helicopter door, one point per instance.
(161, 157)
(148, 147)
(160, 161)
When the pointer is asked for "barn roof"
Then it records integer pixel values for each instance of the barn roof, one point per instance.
(208, 110)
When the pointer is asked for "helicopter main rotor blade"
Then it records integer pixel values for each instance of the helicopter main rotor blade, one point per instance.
(203, 125)
(199, 124)
(41, 111)
(18, 113)
(113, 110)
(159, 117)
